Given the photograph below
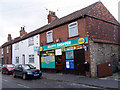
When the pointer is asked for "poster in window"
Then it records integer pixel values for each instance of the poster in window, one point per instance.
(58, 52)
(48, 62)
(69, 64)
(69, 55)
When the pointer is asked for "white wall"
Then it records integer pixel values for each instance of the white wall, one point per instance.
(27, 50)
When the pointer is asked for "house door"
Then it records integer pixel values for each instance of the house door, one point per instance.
(79, 61)
(23, 59)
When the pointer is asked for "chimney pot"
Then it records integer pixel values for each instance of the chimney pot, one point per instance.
(51, 16)
(22, 31)
(9, 37)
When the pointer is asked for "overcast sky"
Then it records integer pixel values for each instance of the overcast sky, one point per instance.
(33, 13)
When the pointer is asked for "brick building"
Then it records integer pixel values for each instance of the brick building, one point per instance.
(0, 56)
(96, 32)
(6, 51)
(77, 43)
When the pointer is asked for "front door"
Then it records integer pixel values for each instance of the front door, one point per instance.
(79, 61)
(23, 59)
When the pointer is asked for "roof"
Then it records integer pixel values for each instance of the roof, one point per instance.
(56, 23)
(7, 43)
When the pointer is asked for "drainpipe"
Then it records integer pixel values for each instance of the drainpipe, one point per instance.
(87, 34)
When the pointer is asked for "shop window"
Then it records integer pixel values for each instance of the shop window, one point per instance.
(48, 59)
(31, 58)
(17, 59)
(48, 53)
(49, 36)
(31, 41)
(70, 59)
(73, 29)
(69, 55)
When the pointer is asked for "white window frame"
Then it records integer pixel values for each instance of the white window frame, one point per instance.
(2, 51)
(17, 58)
(49, 35)
(71, 29)
(31, 41)
(31, 57)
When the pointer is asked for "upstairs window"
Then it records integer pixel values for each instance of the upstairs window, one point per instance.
(16, 46)
(73, 29)
(2, 51)
(49, 36)
(31, 41)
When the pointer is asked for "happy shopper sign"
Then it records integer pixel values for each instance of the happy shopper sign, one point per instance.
(78, 41)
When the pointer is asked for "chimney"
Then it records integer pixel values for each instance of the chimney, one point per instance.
(51, 16)
(9, 37)
(22, 31)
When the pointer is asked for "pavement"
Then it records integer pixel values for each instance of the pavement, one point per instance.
(104, 83)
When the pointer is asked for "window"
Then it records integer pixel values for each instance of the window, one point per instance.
(17, 59)
(7, 60)
(28, 66)
(7, 49)
(16, 67)
(2, 51)
(4, 66)
(69, 55)
(31, 41)
(16, 46)
(31, 58)
(73, 29)
(10, 65)
(49, 36)
(19, 66)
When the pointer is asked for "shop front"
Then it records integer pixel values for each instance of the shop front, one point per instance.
(65, 57)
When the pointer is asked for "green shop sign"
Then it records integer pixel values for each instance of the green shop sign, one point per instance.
(78, 41)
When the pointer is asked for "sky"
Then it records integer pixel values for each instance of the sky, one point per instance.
(33, 13)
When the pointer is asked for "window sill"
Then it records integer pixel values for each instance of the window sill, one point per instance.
(50, 42)
(31, 62)
(73, 37)
(30, 45)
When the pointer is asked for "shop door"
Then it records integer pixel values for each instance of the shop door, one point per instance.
(79, 56)
(59, 63)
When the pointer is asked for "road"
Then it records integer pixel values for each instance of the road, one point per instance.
(9, 82)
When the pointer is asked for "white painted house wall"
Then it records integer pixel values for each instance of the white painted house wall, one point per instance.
(24, 49)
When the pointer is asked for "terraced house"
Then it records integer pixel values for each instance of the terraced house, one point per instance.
(84, 42)
(6, 51)
(24, 49)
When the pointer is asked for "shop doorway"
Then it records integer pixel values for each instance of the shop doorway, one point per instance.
(79, 61)
(59, 63)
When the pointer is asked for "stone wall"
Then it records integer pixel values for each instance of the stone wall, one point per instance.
(101, 53)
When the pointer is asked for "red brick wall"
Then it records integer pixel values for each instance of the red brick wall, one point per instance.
(102, 30)
(62, 33)
(9, 55)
